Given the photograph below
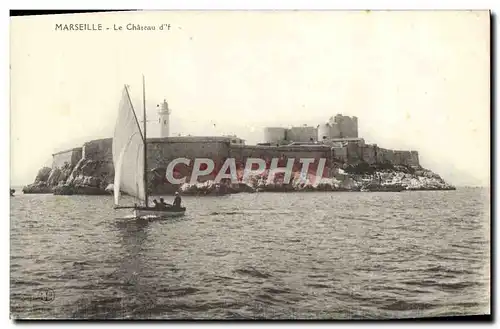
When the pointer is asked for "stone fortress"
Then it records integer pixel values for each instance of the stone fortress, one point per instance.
(339, 136)
(91, 166)
(337, 139)
(338, 128)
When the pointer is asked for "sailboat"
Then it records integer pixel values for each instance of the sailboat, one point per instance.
(130, 161)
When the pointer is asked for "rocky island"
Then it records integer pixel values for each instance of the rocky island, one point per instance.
(90, 171)
(351, 164)
(96, 178)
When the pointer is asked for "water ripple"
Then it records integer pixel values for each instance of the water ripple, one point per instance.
(253, 256)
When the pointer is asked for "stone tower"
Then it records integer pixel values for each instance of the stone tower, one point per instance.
(164, 119)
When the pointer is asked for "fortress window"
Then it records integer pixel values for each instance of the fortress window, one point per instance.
(165, 122)
(159, 120)
(324, 137)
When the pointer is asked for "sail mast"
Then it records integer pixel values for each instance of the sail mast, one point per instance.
(133, 111)
(145, 144)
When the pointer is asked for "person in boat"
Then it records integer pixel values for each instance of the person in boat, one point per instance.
(164, 204)
(177, 200)
(156, 204)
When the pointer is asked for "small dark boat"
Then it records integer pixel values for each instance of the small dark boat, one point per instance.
(384, 187)
(162, 212)
(12, 191)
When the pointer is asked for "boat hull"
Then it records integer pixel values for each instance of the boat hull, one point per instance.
(163, 213)
(383, 188)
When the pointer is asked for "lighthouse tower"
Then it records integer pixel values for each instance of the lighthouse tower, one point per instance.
(164, 119)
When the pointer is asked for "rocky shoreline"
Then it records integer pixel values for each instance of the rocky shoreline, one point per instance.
(87, 177)
(90, 177)
(396, 180)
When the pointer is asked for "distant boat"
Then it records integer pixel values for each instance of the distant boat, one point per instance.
(12, 191)
(384, 187)
(129, 148)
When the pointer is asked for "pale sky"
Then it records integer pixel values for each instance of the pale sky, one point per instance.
(415, 80)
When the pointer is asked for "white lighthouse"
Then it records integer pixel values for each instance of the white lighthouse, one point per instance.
(164, 119)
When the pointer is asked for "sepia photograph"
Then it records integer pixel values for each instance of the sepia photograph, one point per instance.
(250, 165)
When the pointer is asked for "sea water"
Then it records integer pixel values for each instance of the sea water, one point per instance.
(316, 255)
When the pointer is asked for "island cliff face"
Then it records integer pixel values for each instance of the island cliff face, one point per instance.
(352, 166)
(85, 170)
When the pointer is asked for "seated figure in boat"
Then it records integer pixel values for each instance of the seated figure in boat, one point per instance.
(156, 204)
(163, 204)
(177, 200)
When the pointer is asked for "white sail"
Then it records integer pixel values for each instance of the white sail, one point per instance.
(128, 152)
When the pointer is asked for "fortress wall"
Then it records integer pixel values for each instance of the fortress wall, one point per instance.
(335, 130)
(241, 153)
(160, 154)
(302, 134)
(414, 160)
(98, 150)
(389, 156)
(398, 157)
(348, 126)
(369, 153)
(340, 153)
(385, 155)
(354, 152)
(380, 155)
(69, 156)
(355, 126)
(408, 158)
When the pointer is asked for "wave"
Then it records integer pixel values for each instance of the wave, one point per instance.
(253, 273)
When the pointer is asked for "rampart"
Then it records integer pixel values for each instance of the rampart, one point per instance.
(68, 157)
(98, 150)
(371, 154)
(243, 152)
(89, 169)
(161, 151)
